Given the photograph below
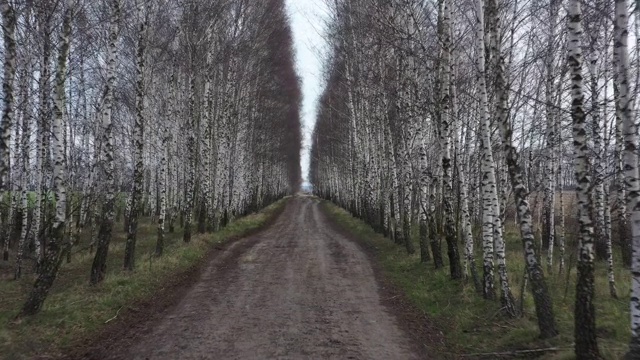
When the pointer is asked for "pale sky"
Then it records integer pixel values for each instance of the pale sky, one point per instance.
(307, 22)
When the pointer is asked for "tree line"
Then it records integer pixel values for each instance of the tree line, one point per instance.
(444, 119)
(186, 112)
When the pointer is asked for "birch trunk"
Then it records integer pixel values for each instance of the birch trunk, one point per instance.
(600, 245)
(624, 231)
(43, 126)
(541, 297)
(9, 36)
(551, 114)
(455, 267)
(205, 144)
(191, 172)
(24, 189)
(162, 184)
(99, 266)
(24, 169)
(631, 176)
(9, 32)
(586, 346)
(434, 234)
(424, 206)
(138, 138)
(488, 182)
(55, 244)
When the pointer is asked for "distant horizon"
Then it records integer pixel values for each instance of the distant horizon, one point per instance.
(308, 25)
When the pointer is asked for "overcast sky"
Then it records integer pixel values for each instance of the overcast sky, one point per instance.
(307, 22)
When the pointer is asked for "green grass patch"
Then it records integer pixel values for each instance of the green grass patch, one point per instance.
(74, 312)
(472, 325)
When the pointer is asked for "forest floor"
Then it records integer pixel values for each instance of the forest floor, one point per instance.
(300, 288)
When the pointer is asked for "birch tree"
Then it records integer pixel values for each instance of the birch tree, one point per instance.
(631, 176)
(8, 30)
(113, 107)
(136, 195)
(53, 254)
(586, 344)
(98, 268)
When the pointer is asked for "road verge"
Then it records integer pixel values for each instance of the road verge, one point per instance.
(394, 292)
(78, 319)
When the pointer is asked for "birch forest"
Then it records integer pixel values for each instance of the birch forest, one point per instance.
(465, 185)
(470, 130)
(181, 114)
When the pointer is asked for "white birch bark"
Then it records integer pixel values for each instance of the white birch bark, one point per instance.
(445, 139)
(586, 345)
(55, 244)
(98, 268)
(541, 296)
(8, 113)
(10, 55)
(24, 164)
(489, 193)
(551, 148)
(138, 139)
(631, 175)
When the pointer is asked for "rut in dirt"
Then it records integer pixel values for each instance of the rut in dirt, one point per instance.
(296, 290)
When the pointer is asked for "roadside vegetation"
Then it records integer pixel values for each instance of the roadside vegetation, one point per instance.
(503, 135)
(75, 312)
(115, 125)
(477, 328)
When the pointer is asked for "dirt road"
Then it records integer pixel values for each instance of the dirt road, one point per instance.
(296, 290)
